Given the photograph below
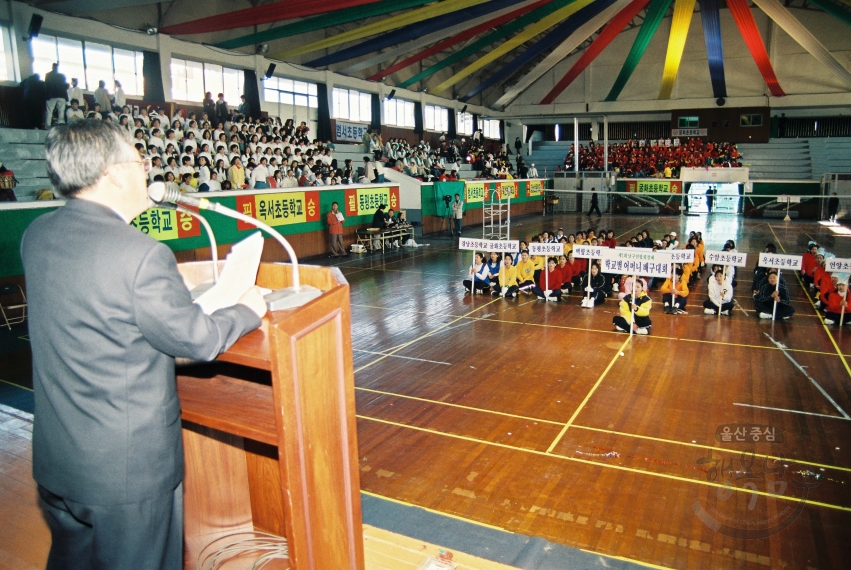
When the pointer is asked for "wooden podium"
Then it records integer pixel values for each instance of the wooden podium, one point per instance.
(269, 429)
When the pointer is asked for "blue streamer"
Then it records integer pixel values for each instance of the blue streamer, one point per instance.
(552, 39)
(712, 33)
(412, 32)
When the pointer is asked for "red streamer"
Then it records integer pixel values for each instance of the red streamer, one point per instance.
(609, 33)
(747, 27)
(265, 14)
(456, 39)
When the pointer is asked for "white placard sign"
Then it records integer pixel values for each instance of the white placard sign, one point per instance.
(499, 246)
(350, 131)
(546, 249)
(680, 255)
(780, 261)
(734, 258)
(589, 251)
(641, 262)
(837, 264)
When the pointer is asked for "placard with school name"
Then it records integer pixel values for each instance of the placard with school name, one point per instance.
(837, 264)
(534, 187)
(680, 255)
(497, 245)
(638, 262)
(506, 189)
(733, 258)
(279, 209)
(350, 131)
(474, 192)
(588, 251)
(546, 249)
(780, 261)
(655, 186)
(164, 224)
(365, 201)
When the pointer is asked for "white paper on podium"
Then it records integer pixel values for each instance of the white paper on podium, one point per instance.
(239, 274)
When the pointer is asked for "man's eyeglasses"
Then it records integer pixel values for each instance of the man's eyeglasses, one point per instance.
(145, 163)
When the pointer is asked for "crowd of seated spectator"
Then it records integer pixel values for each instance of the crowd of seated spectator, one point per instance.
(655, 158)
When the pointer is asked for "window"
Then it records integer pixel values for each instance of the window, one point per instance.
(89, 63)
(436, 118)
(350, 104)
(290, 92)
(398, 113)
(191, 79)
(464, 123)
(490, 128)
(7, 67)
(753, 120)
(687, 122)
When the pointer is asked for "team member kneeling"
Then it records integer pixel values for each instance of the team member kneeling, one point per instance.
(639, 307)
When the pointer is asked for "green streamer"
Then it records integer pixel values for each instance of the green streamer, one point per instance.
(843, 15)
(655, 15)
(499, 33)
(322, 21)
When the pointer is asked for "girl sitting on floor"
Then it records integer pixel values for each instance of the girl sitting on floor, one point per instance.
(837, 301)
(675, 306)
(566, 274)
(549, 283)
(593, 287)
(525, 272)
(638, 309)
(507, 279)
(479, 282)
(720, 295)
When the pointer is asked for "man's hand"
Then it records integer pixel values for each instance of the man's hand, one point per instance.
(253, 299)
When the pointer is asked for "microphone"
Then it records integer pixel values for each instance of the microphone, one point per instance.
(159, 192)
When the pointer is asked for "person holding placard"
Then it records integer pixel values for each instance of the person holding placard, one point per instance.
(525, 272)
(809, 264)
(593, 287)
(720, 295)
(507, 279)
(675, 305)
(494, 264)
(479, 281)
(549, 283)
(770, 294)
(836, 307)
(566, 271)
(636, 311)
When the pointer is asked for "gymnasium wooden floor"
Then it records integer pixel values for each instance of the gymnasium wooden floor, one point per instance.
(539, 419)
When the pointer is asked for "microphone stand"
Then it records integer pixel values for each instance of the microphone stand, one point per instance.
(285, 298)
(213, 245)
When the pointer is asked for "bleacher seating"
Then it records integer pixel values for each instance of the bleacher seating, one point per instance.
(548, 155)
(780, 159)
(22, 151)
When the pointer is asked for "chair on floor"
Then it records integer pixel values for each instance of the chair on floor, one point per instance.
(12, 298)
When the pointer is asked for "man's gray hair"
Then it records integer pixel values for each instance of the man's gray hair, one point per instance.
(79, 153)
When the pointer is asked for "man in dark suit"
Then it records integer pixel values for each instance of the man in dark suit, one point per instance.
(108, 315)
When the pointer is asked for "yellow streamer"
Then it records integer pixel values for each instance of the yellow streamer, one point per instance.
(411, 17)
(527, 34)
(683, 10)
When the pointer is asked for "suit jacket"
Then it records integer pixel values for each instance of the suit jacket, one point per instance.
(108, 314)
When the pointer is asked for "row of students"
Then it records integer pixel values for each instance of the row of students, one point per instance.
(831, 289)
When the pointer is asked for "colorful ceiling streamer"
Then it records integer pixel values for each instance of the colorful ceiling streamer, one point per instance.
(834, 10)
(562, 31)
(655, 15)
(265, 14)
(456, 39)
(320, 22)
(712, 33)
(680, 22)
(502, 32)
(796, 30)
(411, 32)
(741, 13)
(602, 41)
(507, 46)
(564, 49)
(384, 25)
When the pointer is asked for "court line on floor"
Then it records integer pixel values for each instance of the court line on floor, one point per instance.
(585, 329)
(499, 528)
(601, 430)
(428, 334)
(614, 359)
(15, 385)
(610, 466)
(806, 292)
(405, 357)
(807, 374)
(633, 229)
(790, 411)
